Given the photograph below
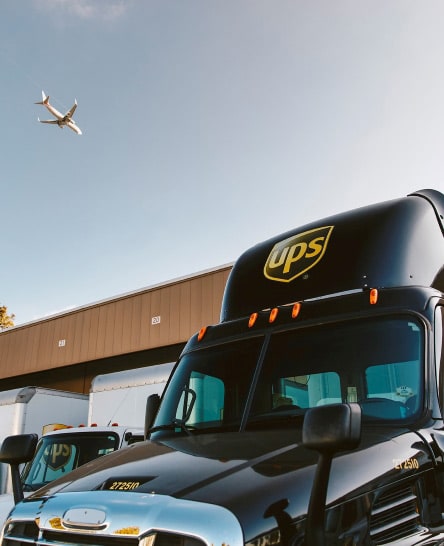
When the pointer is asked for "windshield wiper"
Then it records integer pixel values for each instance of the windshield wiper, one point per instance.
(28, 487)
(176, 423)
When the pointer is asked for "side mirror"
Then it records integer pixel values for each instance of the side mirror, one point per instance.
(328, 430)
(152, 406)
(16, 450)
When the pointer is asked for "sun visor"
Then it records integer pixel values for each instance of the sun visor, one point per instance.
(395, 243)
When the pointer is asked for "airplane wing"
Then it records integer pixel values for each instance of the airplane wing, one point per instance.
(51, 121)
(70, 113)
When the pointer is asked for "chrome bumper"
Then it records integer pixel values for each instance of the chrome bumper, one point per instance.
(107, 517)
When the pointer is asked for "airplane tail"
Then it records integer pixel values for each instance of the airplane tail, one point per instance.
(44, 100)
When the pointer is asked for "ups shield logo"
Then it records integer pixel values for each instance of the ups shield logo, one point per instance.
(294, 256)
(57, 456)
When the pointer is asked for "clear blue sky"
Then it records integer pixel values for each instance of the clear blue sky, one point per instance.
(208, 126)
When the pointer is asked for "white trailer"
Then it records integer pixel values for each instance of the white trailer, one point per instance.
(120, 397)
(28, 409)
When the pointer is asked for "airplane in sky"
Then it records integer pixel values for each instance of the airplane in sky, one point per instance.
(62, 119)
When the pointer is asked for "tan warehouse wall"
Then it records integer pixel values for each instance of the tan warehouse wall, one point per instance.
(161, 316)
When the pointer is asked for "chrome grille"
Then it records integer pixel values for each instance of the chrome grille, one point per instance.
(24, 534)
(59, 537)
(169, 539)
(20, 532)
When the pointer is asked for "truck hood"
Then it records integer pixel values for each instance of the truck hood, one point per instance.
(247, 473)
(181, 465)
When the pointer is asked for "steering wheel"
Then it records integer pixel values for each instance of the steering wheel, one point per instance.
(388, 408)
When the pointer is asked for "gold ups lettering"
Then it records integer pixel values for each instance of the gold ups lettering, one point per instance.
(294, 256)
(57, 456)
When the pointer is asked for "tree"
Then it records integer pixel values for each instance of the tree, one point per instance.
(6, 321)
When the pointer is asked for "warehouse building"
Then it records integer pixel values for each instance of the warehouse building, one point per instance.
(145, 327)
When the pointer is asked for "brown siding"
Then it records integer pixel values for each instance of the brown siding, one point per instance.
(116, 327)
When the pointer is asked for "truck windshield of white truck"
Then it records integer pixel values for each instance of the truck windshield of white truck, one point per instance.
(56, 455)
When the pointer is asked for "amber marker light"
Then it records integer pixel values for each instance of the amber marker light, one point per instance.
(252, 320)
(56, 523)
(295, 310)
(273, 314)
(201, 333)
(373, 296)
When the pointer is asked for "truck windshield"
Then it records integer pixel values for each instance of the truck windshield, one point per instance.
(60, 453)
(375, 362)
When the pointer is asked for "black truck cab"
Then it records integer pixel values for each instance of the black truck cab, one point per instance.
(311, 414)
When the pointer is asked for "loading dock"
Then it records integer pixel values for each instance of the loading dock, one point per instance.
(141, 328)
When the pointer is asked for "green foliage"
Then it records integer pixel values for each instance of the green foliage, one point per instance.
(6, 321)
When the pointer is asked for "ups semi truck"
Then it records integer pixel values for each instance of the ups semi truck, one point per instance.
(311, 414)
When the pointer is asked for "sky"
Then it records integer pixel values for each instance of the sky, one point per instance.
(208, 126)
